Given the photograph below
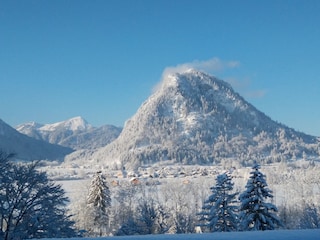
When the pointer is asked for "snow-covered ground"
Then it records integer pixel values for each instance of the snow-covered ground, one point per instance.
(292, 184)
(258, 235)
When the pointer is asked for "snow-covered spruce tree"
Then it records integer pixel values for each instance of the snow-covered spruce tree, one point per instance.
(255, 212)
(219, 212)
(31, 205)
(98, 203)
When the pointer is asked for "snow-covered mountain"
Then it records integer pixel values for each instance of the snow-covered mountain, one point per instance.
(195, 118)
(27, 148)
(75, 133)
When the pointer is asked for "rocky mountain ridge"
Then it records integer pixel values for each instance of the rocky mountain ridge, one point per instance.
(75, 133)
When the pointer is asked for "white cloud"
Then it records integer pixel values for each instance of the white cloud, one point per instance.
(212, 65)
(255, 94)
(244, 88)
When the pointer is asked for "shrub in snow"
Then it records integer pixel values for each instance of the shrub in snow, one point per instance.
(145, 216)
(310, 217)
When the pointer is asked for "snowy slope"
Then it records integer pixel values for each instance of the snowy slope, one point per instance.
(259, 235)
(73, 124)
(92, 138)
(195, 118)
(27, 148)
(75, 133)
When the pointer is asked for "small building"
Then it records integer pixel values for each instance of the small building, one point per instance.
(134, 181)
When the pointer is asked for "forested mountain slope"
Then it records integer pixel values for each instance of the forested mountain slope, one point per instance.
(195, 118)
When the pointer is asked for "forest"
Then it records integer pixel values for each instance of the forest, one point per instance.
(190, 199)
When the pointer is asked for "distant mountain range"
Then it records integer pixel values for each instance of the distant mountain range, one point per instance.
(27, 148)
(195, 118)
(75, 133)
(192, 118)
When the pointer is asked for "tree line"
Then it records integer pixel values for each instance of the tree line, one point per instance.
(186, 208)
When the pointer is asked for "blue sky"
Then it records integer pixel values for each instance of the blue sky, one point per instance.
(101, 59)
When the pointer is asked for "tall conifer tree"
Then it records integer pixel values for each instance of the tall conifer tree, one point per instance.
(219, 212)
(255, 212)
(99, 202)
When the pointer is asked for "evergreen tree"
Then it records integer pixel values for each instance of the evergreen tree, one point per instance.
(255, 212)
(99, 202)
(219, 213)
(31, 205)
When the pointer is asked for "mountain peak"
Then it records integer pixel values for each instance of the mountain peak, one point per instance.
(75, 133)
(192, 77)
(77, 123)
(73, 124)
(195, 118)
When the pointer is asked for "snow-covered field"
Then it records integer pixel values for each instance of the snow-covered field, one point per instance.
(292, 185)
(257, 235)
